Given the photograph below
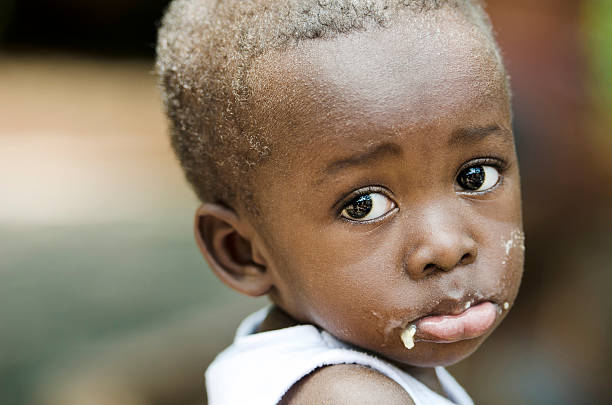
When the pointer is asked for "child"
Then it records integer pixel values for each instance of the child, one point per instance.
(356, 164)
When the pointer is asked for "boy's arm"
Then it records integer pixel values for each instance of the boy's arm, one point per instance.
(346, 384)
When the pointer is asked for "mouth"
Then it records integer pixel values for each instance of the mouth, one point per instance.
(472, 322)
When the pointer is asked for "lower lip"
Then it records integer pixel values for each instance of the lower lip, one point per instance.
(469, 324)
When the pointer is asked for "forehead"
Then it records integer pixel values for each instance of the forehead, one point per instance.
(428, 70)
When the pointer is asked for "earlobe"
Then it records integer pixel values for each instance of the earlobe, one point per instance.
(228, 251)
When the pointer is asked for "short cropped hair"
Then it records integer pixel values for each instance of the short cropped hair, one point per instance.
(205, 49)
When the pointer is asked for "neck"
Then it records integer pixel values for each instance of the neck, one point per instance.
(276, 319)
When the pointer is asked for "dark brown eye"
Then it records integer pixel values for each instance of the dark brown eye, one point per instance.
(367, 207)
(478, 178)
(359, 207)
(472, 178)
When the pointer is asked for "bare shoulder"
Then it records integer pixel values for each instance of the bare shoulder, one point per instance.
(346, 384)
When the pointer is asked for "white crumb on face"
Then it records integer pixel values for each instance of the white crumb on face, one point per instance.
(508, 246)
(516, 240)
(506, 306)
(408, 336)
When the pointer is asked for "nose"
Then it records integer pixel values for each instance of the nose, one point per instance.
(442, 243)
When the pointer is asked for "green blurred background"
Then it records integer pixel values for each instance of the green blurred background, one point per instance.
(104, 298)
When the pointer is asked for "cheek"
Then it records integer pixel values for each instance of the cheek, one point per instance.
(502, 241)
(338, 259)
(352, 289)
(501, 266)
(513, 245)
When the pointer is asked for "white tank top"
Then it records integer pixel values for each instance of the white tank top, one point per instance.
(259, 368)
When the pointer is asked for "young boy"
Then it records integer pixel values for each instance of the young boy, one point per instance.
(356, 164)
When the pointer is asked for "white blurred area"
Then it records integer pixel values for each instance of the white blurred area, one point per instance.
(104, 296)
(84, 142)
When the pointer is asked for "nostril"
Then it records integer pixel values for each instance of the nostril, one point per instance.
(436, 266)
(430, 268)
(466, 259)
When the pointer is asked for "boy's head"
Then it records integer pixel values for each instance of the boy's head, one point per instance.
(356, 161)
(206, 52)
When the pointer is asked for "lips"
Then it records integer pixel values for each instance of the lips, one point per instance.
(469, 324)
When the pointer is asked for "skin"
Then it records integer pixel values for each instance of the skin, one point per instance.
(398, 112)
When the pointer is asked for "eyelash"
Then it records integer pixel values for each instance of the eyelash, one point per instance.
(498, 163)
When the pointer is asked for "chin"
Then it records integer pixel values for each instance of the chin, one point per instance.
(429, 354)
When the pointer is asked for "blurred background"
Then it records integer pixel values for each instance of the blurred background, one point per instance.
(104, 298)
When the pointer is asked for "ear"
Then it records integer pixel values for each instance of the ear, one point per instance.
(220, 236)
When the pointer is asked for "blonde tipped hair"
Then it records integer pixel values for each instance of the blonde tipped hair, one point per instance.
(204, 51)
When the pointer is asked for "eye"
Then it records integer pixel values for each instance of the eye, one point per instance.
(367, 207)
(478, 178)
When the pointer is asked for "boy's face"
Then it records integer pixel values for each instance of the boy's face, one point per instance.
(393, 190)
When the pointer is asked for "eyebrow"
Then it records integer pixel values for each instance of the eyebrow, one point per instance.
(465, 136)
(364, 158)
(461, 136)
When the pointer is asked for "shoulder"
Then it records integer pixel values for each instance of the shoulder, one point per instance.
(346, 384)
